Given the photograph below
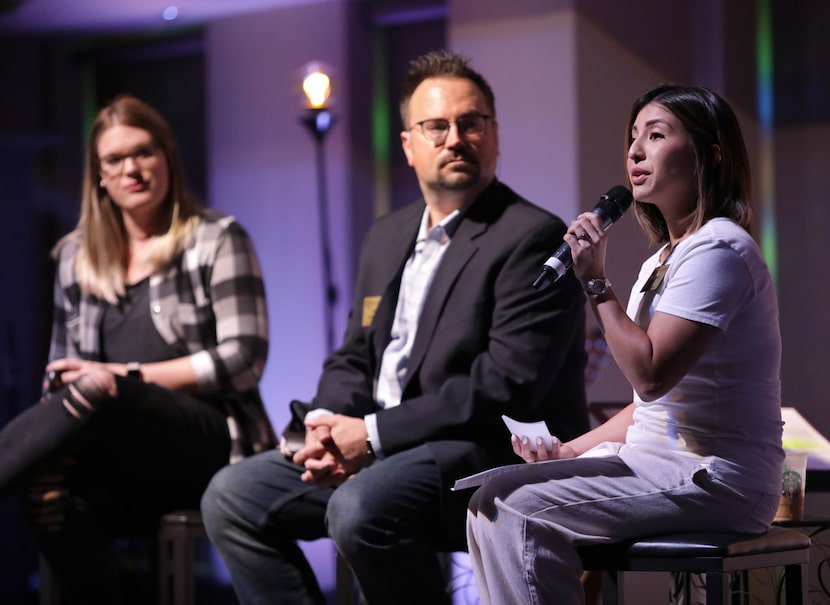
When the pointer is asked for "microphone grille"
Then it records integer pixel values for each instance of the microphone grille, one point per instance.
(615, 202)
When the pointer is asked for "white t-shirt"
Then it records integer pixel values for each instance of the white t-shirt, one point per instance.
(725, 414)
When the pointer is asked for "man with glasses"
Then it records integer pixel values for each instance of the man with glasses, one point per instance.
(446, 334)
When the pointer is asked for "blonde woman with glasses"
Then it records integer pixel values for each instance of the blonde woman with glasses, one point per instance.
(159, 339)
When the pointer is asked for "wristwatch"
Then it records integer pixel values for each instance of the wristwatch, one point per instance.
(134, 370)
(597, 287)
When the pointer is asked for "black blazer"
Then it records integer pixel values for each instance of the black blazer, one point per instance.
(487, 343)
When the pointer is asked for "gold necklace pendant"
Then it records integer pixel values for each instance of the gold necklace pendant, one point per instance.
(656, 278)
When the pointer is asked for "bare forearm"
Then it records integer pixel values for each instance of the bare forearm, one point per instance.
(653, 361)
(175, 374)
(614, 429)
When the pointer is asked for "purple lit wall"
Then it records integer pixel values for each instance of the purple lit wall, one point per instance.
(261, 169)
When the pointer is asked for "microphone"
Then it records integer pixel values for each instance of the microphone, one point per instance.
(610, 208)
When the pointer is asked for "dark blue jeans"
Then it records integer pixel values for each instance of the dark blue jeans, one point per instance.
(145, 452)
(385, 522)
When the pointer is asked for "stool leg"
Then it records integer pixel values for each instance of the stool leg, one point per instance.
(612, 587)
(176, 550)
(164, 564)
(717, 590)
(179, 569)
(49, 592)
(795, 580)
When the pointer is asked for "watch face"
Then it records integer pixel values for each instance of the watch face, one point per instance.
(597, 287)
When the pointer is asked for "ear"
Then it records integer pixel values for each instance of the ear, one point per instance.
(406, 145)
(716, 154)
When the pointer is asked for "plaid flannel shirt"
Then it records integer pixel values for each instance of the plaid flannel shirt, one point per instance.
(212, 301)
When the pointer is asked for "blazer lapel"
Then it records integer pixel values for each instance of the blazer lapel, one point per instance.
(462, 249)
(396, 248)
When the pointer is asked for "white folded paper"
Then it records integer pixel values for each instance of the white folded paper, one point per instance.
(531, 430)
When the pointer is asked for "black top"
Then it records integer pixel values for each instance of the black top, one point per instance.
(128, 333)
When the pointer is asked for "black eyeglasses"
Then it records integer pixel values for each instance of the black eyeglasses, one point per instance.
(469, 127)
(144, 156)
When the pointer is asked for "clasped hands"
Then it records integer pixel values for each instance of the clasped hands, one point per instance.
(334, 450)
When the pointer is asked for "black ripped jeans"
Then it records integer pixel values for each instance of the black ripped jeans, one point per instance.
(112, 473)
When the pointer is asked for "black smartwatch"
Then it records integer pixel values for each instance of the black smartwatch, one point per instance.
(134, 370)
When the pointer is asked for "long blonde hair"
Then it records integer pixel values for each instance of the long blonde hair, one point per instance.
(101, 262)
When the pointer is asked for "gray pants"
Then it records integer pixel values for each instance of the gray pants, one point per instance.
(524, 527)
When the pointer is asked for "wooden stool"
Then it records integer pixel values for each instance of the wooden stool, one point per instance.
(178, 531)
(711, 554)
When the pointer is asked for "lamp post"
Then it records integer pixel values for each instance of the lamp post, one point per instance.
(319, 120)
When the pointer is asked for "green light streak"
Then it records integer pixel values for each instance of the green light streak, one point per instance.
(381, 125)
(766, 118)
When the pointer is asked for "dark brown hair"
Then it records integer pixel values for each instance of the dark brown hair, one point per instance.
(722, 165)
(442, 64)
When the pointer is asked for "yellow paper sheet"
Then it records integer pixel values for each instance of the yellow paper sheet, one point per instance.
(799, 434)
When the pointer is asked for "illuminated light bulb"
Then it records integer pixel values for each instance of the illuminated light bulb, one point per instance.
(317, 88)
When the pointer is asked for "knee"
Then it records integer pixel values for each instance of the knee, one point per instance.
(348, 518)
(216, 500)
(97, 384)
(92, 389)
(483, 501)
